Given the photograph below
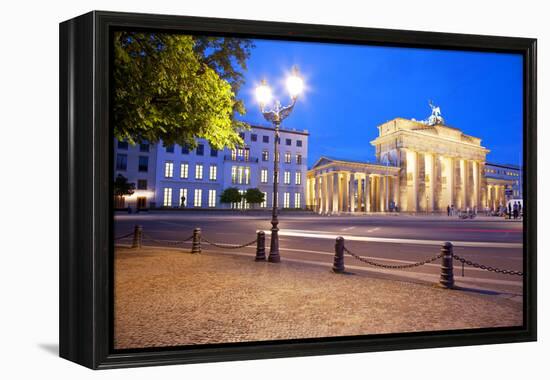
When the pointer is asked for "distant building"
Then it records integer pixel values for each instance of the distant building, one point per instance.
(179, 177)
(138, 164)
(511, 174)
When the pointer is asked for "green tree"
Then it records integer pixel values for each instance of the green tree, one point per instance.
(122, 187)
(231, 195)
(254, 196)
(178, 88)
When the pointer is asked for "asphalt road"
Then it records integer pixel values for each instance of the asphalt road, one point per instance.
(387, 239)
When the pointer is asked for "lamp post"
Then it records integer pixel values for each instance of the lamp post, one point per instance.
(276, 115)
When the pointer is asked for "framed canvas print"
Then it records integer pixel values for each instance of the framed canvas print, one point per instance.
(237, 189)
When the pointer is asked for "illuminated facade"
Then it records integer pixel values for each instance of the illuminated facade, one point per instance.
(421, 166)
(174, 176)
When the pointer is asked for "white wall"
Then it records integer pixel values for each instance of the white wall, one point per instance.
(29, 244)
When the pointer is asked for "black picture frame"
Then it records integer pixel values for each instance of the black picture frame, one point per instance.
(86, 243)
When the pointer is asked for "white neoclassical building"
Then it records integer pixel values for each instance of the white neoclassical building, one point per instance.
(421, 166)
(335, 186)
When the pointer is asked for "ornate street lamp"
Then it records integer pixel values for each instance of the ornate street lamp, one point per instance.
(295, 86)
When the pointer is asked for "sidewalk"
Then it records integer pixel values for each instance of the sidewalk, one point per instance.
(170, 297)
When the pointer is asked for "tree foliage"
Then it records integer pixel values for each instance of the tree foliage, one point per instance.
(178, 88)
(231, 195)
(122, 187)
(254, 196)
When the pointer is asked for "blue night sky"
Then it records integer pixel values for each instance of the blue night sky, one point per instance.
(352, 89)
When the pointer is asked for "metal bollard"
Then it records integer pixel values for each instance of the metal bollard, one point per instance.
(196, 247)
(138, 235)
(447, 280)
(260, 247)
(338, 266)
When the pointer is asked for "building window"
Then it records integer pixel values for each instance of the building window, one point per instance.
(121, 161)
(211, 198)
(233, 174)
(241, 135)
(200, 150)
(143, 163)
(246, 175)
(183, 197)
(254, 137)
(240, 175)
(264, 203)
(213, 152)
(286, 200)
(184, 170)
(197, 202)
(168, 169)
(265, 155)
(263, 176)
(299, 159)
(287, 178)
(265, 139)
(288, 142)
(243, 204)
(299, 143)
(297, 200)
(240, 154)
(167, 202)
(213, 172)
(198, 171)
(142, 184)
(170, 148)
(144, 147)
(288, 158)
(185, 149)
(298, 178)
(123, 145)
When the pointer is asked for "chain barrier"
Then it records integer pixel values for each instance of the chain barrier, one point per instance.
(432, 259)
(124, 236)
(227, 245)
(386, 266)
(148, 238)
(487, 267)
(167, 242)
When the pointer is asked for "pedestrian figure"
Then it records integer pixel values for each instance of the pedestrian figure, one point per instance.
(519, 209)
(515, 210)
(448, 210)
(182, 204)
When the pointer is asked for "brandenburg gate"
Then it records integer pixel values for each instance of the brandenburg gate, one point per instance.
(421, 166)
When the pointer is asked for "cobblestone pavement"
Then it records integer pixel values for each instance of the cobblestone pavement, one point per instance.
(170, 297)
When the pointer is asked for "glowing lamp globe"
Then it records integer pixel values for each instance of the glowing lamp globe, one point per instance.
(294, 85)
(263, 93)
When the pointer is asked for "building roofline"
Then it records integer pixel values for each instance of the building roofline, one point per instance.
(339, 160)
(268, 128)
(507, 166)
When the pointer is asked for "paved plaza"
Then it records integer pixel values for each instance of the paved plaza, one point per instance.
(167, 297)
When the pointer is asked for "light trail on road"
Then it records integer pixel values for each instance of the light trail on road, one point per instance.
(334, 235)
